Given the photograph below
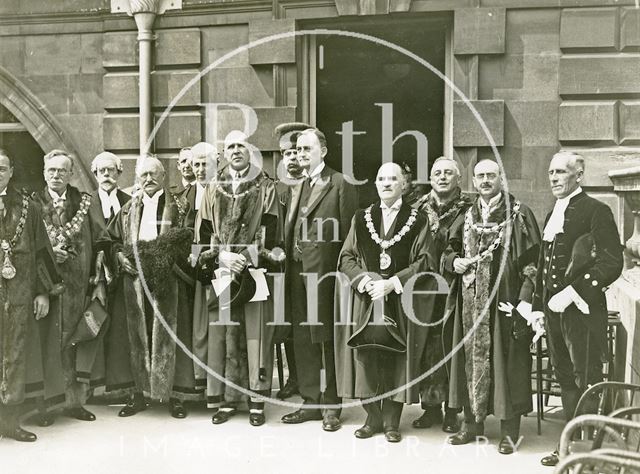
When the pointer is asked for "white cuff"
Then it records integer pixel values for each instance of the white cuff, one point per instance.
(365, 279)
(396, 284)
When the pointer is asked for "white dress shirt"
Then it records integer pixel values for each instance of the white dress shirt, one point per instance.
(199, 194)
(149, 220)
(237, 177)
(314, 176)
(555, 224)
(58, 199)
(487, 207)
(109, 201)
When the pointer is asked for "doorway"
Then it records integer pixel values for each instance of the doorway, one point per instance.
(353, 79)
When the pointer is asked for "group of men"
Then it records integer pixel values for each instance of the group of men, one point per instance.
(431, 299)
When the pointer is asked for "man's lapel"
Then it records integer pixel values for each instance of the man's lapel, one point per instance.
(320, 189)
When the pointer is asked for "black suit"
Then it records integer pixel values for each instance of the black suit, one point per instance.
(578, 342)
(333, 201)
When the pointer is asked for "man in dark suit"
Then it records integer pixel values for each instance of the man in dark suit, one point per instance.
(187, 178)
(317, 221)
(570, 289)
(204, 158)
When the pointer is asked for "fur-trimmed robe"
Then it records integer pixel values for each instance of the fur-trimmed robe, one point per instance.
(160, 371)
(491, 371)
(21, 346)
(356, 378)
(242, 354)
(435, 387)
(68, 308)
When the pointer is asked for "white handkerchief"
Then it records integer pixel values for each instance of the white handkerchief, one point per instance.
(222, 280)
(262, 290)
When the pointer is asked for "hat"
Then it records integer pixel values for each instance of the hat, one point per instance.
(288, 134)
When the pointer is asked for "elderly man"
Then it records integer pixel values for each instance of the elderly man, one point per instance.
(204, 159)
(108, 199)
(142, 357)
(27, 277)
(388, 244)
(445, 206)
(491, 373)
(318, 219)
(187, 178)
(73, 232)
(239, 216)
(581, 255)
(294, 174)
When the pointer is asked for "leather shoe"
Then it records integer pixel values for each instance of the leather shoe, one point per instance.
(367, 431)
(428, 419)
(45, 420)
(177, 409)
(505, 446)
(289, 390)
(300, 416)
(221, 416)
(331, 423)
(256, 419)
(21, 435)
(461, 437)
(80, 413)
(133, 406)
(393, 436)
(450, 422)
(550, 459)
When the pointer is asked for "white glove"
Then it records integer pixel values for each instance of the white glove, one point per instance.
(536, 321)
(562, 300)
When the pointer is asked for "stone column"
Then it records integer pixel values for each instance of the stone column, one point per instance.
(624, 294)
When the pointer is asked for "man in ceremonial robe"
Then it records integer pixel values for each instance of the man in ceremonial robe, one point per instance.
(445, 206)
(294, 174)
(27, 276)
(204, 157)
(240, 221)
(371, 364)
(187, 178)
(580, 257)
(107, 200)
(318, 217)
(73, 232)
(491, 371)
(142, 358)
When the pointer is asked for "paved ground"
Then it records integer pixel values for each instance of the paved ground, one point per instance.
(153, 442)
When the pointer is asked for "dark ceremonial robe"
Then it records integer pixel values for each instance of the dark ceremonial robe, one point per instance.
(96, 207)
(435, 387)
(141, 353)
(356, 377)
(241, 353)
(68, 308)
(584, 215)
(491, 372)
(21, 345)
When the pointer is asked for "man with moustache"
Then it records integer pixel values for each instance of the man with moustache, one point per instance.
(239, 219)
(445, 206)
(491, 374)
(388, 245)
(288, 134)
(581, 256)
(317, 221)
(108, 199)
(144, 358)
(72, 232)
(27, 276)
(187, 178)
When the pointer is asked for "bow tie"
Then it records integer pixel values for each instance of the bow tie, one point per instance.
(58, 203)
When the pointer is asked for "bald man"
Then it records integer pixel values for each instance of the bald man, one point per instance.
(141, 353)
(388, 244)
(492, 372)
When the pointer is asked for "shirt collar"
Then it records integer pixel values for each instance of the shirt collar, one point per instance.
(186, 183)
(492, 202)
(107, 195)
(240, 174)
(3, 192)
(317, 170)
(394, 207)
(568, 198)
(154, 198)
(55, 196)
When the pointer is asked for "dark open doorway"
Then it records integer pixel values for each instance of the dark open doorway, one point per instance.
(352, 75)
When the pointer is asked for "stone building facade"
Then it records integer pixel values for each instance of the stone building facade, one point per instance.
(542, 75)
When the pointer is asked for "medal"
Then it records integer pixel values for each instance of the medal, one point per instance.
(385, 260)
(8, 270)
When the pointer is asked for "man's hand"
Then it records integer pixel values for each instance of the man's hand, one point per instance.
(537, 324)
(60, 254)
(379, 289)
(460, 265)
(100, 293)
(233, 261)
(126, 265)
(41, 306)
